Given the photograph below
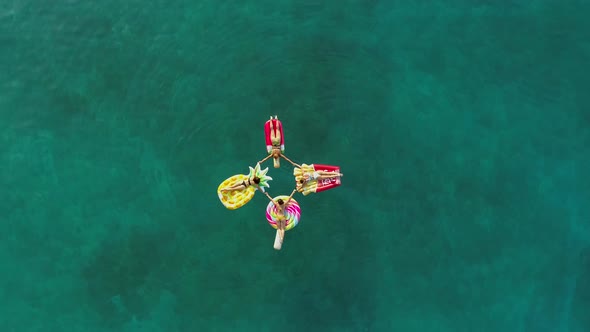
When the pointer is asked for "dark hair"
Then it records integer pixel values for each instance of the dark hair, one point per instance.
(280, 201)
(256, 180)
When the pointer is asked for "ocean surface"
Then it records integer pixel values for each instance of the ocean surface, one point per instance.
(462, 129)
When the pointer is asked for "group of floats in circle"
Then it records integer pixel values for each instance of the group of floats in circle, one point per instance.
(282, 212)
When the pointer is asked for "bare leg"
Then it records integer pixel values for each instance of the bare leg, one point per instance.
(281, 227)
(272, 131)
(275, 141)
(274, 138)
(289, 160)
(329, 174)
(240, 186)
(321, 177)
(281, 231)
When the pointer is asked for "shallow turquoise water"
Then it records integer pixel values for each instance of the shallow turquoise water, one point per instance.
(462, 128)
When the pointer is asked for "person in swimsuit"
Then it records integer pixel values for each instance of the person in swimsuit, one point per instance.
(275, 135)
(275, 139)
(315, 175)
(281, 219)
(320, 175)
(254, 181)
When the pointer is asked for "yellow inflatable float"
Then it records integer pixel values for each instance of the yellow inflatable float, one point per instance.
(236, 191)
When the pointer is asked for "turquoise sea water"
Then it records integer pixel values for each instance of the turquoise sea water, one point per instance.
(462, 129)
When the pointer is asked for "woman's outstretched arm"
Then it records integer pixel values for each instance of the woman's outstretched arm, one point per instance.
(289, 160)
(272, 200)
(265, 159)
(291, 196)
